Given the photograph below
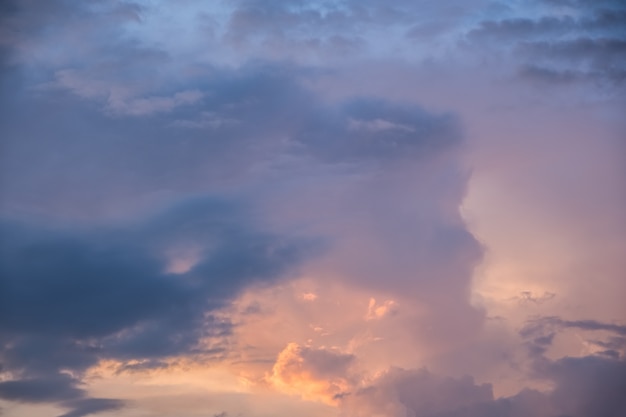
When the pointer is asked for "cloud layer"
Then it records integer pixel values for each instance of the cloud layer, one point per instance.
(342, 208)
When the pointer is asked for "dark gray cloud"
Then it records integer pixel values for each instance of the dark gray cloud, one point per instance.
(60, 389)
(72, 297)
(589, 385)
(40, 390)
(94, 283)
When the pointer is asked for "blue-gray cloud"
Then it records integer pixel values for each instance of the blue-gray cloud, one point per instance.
(60, 389)
(80, 162)
(70, 298)
(89, 406)
(583, 386)
(585, 44)
(109, 121)
(74, 290)
(374, 129)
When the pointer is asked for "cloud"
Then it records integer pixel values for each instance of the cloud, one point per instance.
(582, 386)
(317, 26)
(25, 23)
(40, 390)
(584, 46)
(89, 406)
(60, 389)
(600, 55)
(538, 325)
(400, 392)
(115, 108)
(365, 129)
(95, 283)
(588, 386)
(585, 4)
(572, 386)
(377, 311)
(73, 297)
(314, 374)
(540, 334)
(120, 99)
(247, 123)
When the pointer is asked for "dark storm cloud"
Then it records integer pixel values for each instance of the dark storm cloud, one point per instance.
(94, 283)
(69, 298)
(589, 385)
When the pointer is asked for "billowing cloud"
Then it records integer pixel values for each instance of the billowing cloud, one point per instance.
(338, 209)
(314, 374)
(582, 386)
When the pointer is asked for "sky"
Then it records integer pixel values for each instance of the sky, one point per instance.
(324, 208)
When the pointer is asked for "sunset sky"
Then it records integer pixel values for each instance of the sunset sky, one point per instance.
(324, 208)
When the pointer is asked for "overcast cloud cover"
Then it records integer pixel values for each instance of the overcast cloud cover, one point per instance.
(268, 208)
